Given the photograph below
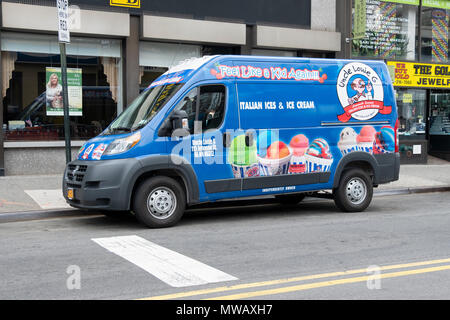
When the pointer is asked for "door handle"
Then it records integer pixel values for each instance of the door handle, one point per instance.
(249, 138)
(226, 138)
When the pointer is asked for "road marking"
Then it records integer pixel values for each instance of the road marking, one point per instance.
(169, 266)
(48, 199)
(290, 280)
(327, 284)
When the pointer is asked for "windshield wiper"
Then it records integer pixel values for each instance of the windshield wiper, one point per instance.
(121, 129)
(138, 127)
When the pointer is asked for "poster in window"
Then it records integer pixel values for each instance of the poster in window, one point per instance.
(54, 98)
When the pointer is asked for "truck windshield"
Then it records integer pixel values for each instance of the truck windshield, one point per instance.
(143, 109)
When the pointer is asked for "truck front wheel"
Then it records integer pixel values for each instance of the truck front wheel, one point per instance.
(354, 192)
(159, 202)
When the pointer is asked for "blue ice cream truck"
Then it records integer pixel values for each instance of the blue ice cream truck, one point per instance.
(226, 127)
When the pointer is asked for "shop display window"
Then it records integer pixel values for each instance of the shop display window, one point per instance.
(440, 112)
(411, 105)
(435, 32)
(388, 29)
(32, 90)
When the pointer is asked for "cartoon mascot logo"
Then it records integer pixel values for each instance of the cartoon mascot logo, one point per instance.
(360, 92)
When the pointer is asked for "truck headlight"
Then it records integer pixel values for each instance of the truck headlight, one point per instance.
(123, 144)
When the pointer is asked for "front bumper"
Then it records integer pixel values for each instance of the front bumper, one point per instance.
(105, 184)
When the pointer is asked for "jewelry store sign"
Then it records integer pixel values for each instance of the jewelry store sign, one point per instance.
(125, 3)
(423, 75)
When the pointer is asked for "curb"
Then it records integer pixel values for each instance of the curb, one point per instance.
(43, 214)
(412, 190)
(70, 212)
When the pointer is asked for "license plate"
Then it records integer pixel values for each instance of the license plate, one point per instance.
(70, 194)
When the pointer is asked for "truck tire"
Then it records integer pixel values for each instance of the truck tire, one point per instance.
(290, 199)
(354, 192)
(159, 202)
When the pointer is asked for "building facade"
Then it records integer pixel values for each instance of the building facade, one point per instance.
(117, 48)
(412, 36)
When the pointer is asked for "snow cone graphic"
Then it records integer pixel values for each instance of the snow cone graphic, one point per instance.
(265, 139)
(347, 140)
(318, 156)
(384, 140)
(276, 161)
(298, 145)
(243, 158)
(87, 151)
(365, 139)
(98, 152)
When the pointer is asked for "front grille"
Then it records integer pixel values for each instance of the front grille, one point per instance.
(75, 174)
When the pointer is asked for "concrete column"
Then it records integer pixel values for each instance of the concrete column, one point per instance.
(249, 41)
(323, 15)
(2, 150)
(344, 26)
(131, 62)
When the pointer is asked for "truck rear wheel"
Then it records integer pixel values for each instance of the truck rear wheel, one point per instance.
(354, 192)
(159, 202)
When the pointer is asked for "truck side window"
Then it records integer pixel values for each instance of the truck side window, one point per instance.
(212, 106)
(189, 104)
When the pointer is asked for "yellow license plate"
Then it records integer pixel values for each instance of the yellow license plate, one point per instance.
(70, 194)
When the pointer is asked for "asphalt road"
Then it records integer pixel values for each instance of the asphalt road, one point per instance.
(309, 251)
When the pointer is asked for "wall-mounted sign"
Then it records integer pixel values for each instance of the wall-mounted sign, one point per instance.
(407, 98)
(126, 3)
(423, 75)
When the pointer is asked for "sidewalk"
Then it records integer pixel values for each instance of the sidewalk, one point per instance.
(43, 192)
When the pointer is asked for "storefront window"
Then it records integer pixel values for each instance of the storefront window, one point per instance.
(435, 31)
(32, 97)
(155, 58)
(440, 113)
(411, 105)
(387, 30)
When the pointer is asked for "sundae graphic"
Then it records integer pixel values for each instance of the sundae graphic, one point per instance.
(243, 158)
(384, 140)
(347, 140)
(318, 156)
(298, 145)
(365, 139)
(360, 92)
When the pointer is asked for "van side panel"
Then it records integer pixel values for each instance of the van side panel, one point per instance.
(309, 119)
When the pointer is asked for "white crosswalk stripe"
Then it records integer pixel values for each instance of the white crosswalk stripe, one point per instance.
(169, 266)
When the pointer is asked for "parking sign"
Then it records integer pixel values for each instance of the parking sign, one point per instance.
(63, 20)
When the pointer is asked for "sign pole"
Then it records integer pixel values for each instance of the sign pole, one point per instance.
(62, 49)
(64, 37)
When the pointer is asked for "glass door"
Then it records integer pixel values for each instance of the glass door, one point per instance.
(440, 113)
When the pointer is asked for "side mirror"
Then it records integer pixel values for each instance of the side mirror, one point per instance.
(176, 125)
(180, 125)
(179, 120)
